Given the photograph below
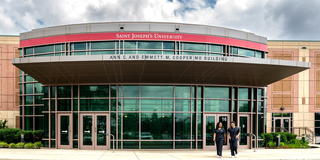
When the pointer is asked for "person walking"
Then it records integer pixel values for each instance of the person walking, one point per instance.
(218, 137)
(234, 133)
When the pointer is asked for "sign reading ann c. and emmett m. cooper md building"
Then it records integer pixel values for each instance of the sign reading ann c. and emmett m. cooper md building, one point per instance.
(160, 57)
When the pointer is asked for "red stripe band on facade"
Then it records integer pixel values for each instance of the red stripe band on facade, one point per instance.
(142, 36)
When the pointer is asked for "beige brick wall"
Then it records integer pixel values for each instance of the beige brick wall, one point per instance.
(9, 87)
(12, 117)
(304, 103)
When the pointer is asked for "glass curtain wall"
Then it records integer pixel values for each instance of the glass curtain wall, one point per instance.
(139, 47)
(146, 116)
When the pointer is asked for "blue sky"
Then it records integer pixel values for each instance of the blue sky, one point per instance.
(275, 19)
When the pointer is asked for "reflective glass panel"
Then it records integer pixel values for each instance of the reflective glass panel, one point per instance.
(216, 92)
(194, 46)
(102, 45)
(131, 126)
(94, 91)
(183, 125)
(44, 49)
(149, 45)
(156, 105)
(157, 91)
(80, 46)
(156, 125)
(216, 106)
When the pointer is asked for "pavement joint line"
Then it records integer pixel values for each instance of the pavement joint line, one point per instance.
(173, 156)
(101, 156)
(134, 152)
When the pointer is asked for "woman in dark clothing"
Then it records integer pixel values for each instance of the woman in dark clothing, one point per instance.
(218, 137)
(234, 138)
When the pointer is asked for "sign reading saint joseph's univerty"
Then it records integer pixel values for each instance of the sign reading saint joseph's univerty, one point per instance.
(165, 57)
(148, 36)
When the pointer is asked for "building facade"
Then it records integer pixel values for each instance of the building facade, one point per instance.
(136, 85)
(294, 102)
(9, 78)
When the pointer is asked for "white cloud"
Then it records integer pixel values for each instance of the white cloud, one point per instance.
(276, 19)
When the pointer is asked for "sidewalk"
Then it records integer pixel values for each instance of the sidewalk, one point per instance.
(59, 154)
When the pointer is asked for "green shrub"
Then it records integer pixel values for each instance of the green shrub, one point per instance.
(12, 145)
(28, 145)
(10, 135)
(267, 137)
(287, 140)
(37, 135)
(32, 136)
(28, 135)
(37, 145)
(13, 135)
(20, 145)
(271, 144)
(4, 145)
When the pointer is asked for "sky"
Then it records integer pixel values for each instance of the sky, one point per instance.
(274, 19)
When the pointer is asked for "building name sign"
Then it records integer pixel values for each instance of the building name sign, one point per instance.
(166, 57)
(149, 36)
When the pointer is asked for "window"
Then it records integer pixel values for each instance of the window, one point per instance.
(94, 104)
(245, 52)
(182, 125)
(79, 46)
(130, 45)
(216, 105)
(259, 54)
(29, 88)
(94, 91)
(44, 49)
(64, 91)
(216, 48)
(157, 91)
(182, 92)
(64, 105)
(59, 47)
(131, 104)
(156, 126)
(194, 46)
(244, 93)
(130, 91)
(156, 105)
(317, 123)
(168, 45)
(149, 45)
(131, 126)
(28, 51)
(244, 97)
(102, 45)
(216, 92)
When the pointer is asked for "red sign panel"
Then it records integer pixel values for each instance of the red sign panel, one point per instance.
(143, 36)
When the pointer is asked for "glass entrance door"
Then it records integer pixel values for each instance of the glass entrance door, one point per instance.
(210, 124)
(93, 131)
(64, 131)
(281, 124)
(244, 130)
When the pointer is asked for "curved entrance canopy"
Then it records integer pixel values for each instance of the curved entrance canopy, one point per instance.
(140, 68)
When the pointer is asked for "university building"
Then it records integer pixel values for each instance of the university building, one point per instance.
(148, 85)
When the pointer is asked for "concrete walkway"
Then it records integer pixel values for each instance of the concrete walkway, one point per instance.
(59, 154)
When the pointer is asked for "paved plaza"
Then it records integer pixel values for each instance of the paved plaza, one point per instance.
(59, 154)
